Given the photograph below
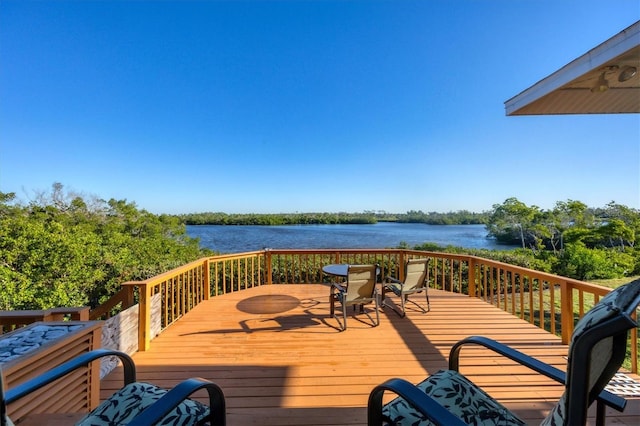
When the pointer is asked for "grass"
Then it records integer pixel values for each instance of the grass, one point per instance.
(614, 282)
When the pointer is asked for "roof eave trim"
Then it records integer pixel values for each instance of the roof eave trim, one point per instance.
(595, 58)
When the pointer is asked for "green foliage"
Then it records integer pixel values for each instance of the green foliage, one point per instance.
(517, 257)
(586, 264)
(65, 251)
(575, 261)
(572, 239)
(461, 217)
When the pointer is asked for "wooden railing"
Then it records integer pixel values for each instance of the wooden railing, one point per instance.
(551, 302)
(123, 299)
(171, 295)
(235, 272)
(11, 320)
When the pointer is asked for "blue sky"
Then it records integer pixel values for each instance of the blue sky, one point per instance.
(306, 106)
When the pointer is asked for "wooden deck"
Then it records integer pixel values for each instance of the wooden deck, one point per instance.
(281, 360)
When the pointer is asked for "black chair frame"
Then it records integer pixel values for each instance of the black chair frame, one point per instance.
(576, 379)
(150, 416)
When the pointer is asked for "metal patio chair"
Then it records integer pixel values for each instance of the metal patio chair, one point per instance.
(596, 352)
(415, 281)
(359, 290)
(136, 403)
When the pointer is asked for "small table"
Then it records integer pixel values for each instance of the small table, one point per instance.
(336, 269)
(340, 269)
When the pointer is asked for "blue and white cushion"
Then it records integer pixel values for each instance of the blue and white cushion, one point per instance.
(459, 396)
(132, 399)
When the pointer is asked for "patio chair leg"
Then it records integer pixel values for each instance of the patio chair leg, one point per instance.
(332, 303)
(377, 313)
(344, 317)
(600, 413)
(399, 313)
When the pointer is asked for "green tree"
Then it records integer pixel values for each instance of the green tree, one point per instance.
(62, 250)
(512, 221)
(621, 225)
(616, 232)
(568, 215)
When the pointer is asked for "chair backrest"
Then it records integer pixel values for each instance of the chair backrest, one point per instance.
(361, 283)
(596, 352)
(415, 273)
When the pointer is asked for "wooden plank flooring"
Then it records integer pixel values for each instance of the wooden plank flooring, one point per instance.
(280, 359)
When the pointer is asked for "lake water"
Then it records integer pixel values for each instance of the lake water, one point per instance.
(236, 239)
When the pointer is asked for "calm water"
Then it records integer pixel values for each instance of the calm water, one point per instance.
(235, 239)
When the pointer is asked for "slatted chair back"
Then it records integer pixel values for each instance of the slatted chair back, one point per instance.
(415, 274)
(361, 284)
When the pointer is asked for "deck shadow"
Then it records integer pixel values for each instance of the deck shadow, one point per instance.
(268, 304)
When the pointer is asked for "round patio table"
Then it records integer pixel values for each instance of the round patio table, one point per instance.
(340, 269)
(336, 269)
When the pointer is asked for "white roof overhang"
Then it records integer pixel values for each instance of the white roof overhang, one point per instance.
(580, 87)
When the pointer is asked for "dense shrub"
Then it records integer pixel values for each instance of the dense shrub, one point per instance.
(62, 251)
(580, 262)
(575, 261)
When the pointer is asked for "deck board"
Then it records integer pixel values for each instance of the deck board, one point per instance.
(280, 359)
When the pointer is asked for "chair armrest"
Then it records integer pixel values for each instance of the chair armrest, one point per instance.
(61, 370)
(217, 416)
(336, 286)
(422, 402)
(390, 279)
(538, 366)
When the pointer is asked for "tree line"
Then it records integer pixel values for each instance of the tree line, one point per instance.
(219, 218)
(462, 217)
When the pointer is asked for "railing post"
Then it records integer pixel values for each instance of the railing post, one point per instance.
(566, 311)
(207, 279)
(471, 277)
(144, 317)
(267, 257)
(144, 311)
(471, 284)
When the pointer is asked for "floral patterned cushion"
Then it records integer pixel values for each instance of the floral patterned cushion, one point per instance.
(616, 301)
(458, 395)
(132, 399)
